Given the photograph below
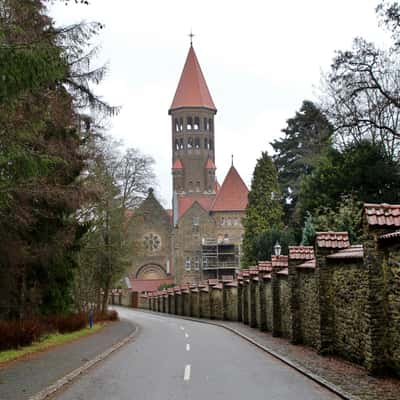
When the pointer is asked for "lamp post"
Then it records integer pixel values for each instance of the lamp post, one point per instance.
(277, 249)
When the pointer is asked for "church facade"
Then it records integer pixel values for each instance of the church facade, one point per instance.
(200, 238)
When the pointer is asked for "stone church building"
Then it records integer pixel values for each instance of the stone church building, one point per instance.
(200, 238)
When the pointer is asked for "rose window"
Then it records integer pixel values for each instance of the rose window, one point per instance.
(152, 242)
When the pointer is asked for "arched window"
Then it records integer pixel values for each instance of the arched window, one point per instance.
(196, 125)
(197, 143)
(206, 143)
(210, 125)
(181, 145)
(176, 144)
(188, 263)
(190, 143)
(181, 124)
(205, 124)
(176, 125)
(189, 123)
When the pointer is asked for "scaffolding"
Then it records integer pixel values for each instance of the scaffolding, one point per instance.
(221, 256)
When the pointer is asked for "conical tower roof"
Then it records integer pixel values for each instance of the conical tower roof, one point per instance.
(233, 193)
(192, 90)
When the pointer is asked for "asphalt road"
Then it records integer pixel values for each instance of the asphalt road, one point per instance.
(174, 359)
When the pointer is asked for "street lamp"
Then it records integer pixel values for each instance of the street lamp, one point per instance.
(277, 249)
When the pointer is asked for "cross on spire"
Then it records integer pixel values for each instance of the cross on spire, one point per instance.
(191, 35)
(232, 159)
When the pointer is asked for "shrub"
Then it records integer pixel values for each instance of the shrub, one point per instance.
(72, 322)
(14, 334)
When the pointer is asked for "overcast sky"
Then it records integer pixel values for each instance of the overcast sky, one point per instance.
(261, 59)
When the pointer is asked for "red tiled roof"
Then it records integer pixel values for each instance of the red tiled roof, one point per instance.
(383, 214)
(356, 251)
(279, 261)
(233, 193)
(185, 202)
(301, 252)
(148, 285)
(192, 90)
(177, 164)
(210, 164)
(308, 264)
(284, 271)
(333, 240)
(391, 235)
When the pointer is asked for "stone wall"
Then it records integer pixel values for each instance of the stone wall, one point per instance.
(349, 294)
(268, 303)
(231, 305)
(392, 273)
(216, 303)
(284, 306)
(205, 304)
(308, 307)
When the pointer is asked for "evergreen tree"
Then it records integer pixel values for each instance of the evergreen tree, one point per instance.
(308, 234)
(264, 210)
(306, 136)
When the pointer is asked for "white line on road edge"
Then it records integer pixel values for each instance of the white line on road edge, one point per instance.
(186, 335)
(182, 328)
(187, 347)
(186, 376)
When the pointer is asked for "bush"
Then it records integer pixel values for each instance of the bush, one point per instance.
(72, 322)
(14, 334)
(110, 315)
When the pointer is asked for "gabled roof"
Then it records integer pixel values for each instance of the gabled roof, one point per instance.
(185, 202)
(192, 90)
(301, 252)
(383, 214)
(355, 251)
(233, 193)
(177, 164)
(210, 164)
(333, 240)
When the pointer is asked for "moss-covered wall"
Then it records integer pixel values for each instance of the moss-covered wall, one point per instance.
(349, 294)
(258, 305)
(231, 303)
(186, 304)
(216, 300)
(195, 304)
(205, 304)
(392, 285)
(284, 305)
(268, 305)
(308, 307)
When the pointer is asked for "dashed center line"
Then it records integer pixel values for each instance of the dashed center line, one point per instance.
(186, 335)
(186, 375)
(187, 347)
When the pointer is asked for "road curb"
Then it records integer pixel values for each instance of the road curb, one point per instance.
(60, 383)
(304, 371)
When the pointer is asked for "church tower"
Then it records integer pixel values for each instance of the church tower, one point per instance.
(193, 146)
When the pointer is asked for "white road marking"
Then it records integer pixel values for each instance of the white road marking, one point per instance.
(186, 375)
(187, 347)
(186, 335)
(182, 328)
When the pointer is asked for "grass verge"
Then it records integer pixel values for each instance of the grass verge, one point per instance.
(46, 342)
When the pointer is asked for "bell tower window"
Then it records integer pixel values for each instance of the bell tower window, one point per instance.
(190, 143)
(176, 144)
(181, 124)
(206, 143)
(189, 123)
(181, 145)
(196, 125)
(197, 143)
(176, 125)
(210, 125)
